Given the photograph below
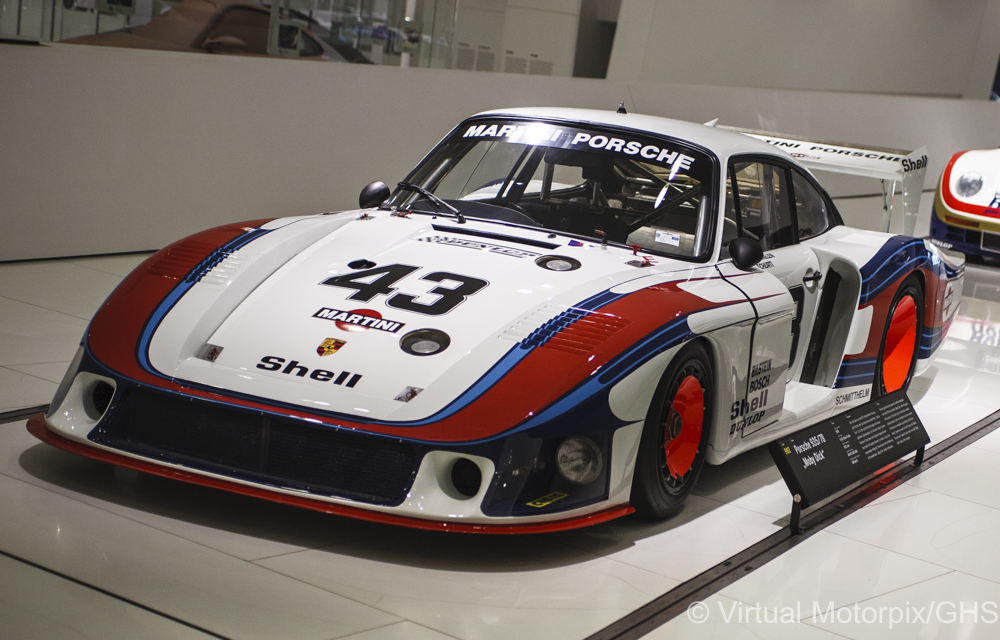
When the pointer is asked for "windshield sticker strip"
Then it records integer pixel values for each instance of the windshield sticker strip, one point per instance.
(539, 134)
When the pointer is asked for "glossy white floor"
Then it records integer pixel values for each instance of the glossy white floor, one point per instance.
(135, 556)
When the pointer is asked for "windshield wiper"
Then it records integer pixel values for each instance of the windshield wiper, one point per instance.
(438, 202)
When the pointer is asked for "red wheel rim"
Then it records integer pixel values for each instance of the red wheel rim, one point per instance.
(900, 343)
(682, 430)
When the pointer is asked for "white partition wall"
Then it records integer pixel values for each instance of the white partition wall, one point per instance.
(109, 150)
(914, 47)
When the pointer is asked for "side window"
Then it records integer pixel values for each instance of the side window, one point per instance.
(245, 24)
(764, 208)
(810, 208)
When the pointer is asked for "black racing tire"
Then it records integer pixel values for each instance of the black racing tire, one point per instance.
(675, 436)
(900, 346)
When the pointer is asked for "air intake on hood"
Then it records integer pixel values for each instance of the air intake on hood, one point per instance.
(178, 261)
(195, 260)
(574, 331)
(584, 335)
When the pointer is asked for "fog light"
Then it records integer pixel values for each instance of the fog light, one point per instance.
(424, 342)
(466, 477)
(579, 460)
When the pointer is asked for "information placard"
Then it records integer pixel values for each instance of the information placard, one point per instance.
(820, 460)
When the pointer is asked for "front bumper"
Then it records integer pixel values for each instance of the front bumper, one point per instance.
(975, 236)
(38, 427)
(293, 459)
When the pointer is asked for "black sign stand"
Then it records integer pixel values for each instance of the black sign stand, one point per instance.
(793, 521)
(821, 460)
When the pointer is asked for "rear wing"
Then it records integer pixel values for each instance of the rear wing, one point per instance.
(888, 165)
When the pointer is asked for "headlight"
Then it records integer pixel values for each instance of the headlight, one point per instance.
(424, 342)
(579, 460)
(969, 184)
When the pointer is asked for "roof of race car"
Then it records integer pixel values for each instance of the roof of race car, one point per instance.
(724, 143)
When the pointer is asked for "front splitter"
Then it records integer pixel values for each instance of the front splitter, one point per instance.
(38, 428)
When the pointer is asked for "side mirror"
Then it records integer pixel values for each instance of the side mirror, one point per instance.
(745, 252)
(223, 44)
(373, 195)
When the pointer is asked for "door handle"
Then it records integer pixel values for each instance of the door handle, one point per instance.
(816, 275)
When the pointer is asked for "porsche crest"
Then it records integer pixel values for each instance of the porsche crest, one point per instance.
(330, 346)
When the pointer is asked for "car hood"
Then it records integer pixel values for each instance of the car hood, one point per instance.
(306, 335)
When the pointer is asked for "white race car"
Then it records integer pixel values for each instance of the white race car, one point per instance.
(555, 320)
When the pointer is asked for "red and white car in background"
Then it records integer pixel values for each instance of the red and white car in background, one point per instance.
(966, 214)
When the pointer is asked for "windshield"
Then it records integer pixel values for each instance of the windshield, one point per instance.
(637, 190)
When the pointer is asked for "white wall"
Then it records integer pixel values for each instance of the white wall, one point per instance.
(915, 47)
(106, 150)
(516, 36)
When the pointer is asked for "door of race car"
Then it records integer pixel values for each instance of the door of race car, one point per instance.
(776, 205)
(765, 213)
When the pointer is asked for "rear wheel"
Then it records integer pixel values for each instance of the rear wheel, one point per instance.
(675, 436)
(897, 356)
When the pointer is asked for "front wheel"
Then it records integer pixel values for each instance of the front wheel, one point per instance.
(675, 436)
(897, 357)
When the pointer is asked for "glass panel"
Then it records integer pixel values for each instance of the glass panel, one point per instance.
(479, 175)
(501, 36)
(310, 48)
(764, 207)
(810, 208)
(638, 190)
(247, 25)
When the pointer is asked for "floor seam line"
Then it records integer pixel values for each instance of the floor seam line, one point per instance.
(30, 375)
(199, 544)
(38, 306)
(334, 593)
(111, 594)
(138, 522)
(965, 500)
(351, 634)
(950, 571)
(899, 553)
(107, 273)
